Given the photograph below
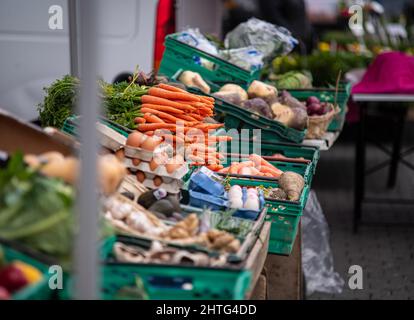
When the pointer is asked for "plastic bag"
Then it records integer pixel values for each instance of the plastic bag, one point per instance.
(195, 38)
(317, 260)
(269, 39)
(247, 58)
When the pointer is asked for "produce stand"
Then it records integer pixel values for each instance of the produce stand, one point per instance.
(181, 224)
(399, 104)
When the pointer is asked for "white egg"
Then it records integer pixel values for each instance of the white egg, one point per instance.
(252, 203)
(235, 191)
(252, 191)
(236, 203)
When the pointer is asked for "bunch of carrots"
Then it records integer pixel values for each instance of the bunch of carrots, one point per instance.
(255, 166)
(177, 116)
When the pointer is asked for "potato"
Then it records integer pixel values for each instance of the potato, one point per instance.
(234, 88)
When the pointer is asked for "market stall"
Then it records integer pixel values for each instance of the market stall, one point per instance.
(203, 172)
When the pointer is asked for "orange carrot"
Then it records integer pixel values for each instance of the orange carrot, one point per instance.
(215, 167)
(152, 118)
(260, 163)
(209, 126)
(165, 102)
(139, 120)
(162, 115)
(162, 108)
(157, 92)
(186, 117)
(224, 170)
(149, 133)
(197, 117)
(170, 137)
(171, 88)
(155, 126)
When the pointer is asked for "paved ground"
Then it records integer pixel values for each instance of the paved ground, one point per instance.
(385, 252)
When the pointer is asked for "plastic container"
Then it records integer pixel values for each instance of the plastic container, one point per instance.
(203, 200)
(172, 281)
(179, 56)
(37, 291)
(235, 117)
(283, 215)
(328, 95)
(266, 148)
(305, 170)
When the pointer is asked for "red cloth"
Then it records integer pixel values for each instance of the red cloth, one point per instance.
(391, 72)
(165, 25)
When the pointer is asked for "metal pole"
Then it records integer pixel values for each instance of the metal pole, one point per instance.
(73, 38)
(86, 251)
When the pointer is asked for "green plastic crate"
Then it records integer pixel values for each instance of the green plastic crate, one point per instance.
(181, 56)
(266, 148)
(328, 95)
(283, 215)
(171, 281)
(305, 170)
(235, 117)
(37, 291)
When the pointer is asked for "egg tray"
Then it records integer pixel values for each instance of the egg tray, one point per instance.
(159, 171)
(170, 185)
(109, 138)
(115, 141)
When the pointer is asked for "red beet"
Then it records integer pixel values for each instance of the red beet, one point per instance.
(12, 278)
(313, 108)
(4, 294)
(312, 100)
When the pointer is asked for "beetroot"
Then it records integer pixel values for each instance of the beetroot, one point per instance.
(12, 278)
(314, 109)
(312, 100)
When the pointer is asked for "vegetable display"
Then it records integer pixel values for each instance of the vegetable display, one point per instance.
(262, 99)
(255, 166)
(36, 210)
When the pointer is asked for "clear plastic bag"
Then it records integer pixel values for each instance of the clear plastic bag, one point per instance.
(247, 58)
(269, 39)
(195, 38)
(317, 260)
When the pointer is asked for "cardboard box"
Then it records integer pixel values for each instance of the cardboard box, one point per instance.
(18, 135)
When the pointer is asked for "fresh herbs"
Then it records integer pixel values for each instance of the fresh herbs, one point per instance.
(121, 101)
(59, 102)
(224, 221)
(36, 210)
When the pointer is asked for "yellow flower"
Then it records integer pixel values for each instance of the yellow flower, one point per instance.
(324, 46)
